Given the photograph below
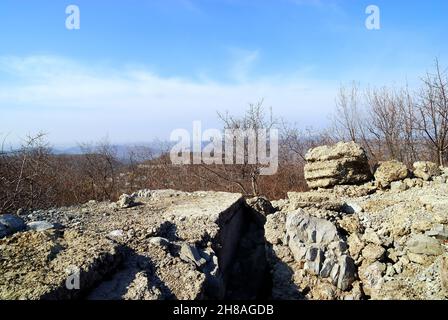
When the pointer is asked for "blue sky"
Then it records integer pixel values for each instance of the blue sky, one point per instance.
(138, 69)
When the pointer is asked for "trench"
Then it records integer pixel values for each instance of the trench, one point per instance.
(247, 274)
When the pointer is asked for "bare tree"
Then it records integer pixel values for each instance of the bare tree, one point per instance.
(26, 175)
(386, 120)
(244, 175)
(433, 111)
(348, 120)
(100, 166)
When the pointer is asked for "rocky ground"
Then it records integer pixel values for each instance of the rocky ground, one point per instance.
(356, 236)
(152, 245)
(392, 244)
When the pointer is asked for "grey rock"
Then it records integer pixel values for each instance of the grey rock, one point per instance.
(421, 244)
(10, 224)
(334, 274)
(346, 273)
(310, 229)
(159, 241)
(116, 234)
(125, 201)
(327, 267)
(297, 248)
(351, 208)
(189, 253)
(338, 247)
(372, 276)
(439, 232)
(314, 260)
(40, 226)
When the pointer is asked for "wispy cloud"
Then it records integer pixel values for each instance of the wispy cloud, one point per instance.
(243, 62)
(74, 102)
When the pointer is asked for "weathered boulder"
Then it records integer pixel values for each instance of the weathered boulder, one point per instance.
(341, 164)
(347, 271)
(371, 276)
(351, 224)
(439, 231)
(189, 253)
(390, 171)
(10, 224)
(424, 245)
(310, 230)
(373, 252)
(426, 170)
(355, 245)
(125, 201)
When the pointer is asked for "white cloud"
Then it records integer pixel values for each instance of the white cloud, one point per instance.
(78, 102)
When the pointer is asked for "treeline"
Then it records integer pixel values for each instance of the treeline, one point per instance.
(390, 123)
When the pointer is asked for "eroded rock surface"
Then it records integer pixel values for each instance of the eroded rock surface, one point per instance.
(164, 245)
(341, 164)
(391, 244)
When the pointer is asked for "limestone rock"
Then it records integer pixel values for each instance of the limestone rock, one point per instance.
(371, 276)
(439, 232)
(116, 234)
(190, 253)
(346, 273)
(314, 199)
(351, 224)
(40, 226)
(275, 228)
(341, 164)
(421, 244)
(371, 236)
(398, 186)
(310, 230)
(316, 243)
(355, 245)
(390, 171)
(126, 201)
(426, 170)
(373, 252)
